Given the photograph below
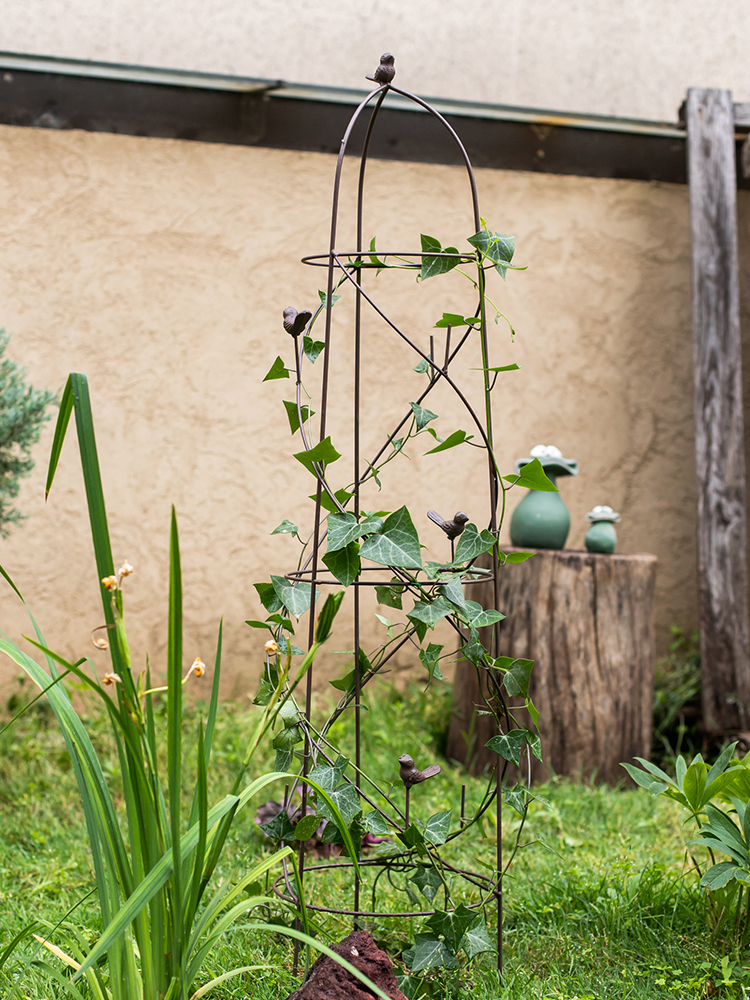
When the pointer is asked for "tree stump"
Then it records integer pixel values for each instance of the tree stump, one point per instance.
(587, 622)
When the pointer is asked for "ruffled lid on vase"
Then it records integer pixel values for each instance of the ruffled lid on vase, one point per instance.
(551, 459)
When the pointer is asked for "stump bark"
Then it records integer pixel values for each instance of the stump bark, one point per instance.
(587, 622)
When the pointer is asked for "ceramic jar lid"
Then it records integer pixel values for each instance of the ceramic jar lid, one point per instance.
(551, 458)
(602, 513)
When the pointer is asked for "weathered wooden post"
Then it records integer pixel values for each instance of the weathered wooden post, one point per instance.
(719, 433)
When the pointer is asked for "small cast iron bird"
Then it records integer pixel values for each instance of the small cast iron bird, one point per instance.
(411, 775)
(452, 528)
(385, 71)
(295, 322)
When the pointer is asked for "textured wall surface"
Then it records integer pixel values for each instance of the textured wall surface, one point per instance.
(160, 269)
(633, 59)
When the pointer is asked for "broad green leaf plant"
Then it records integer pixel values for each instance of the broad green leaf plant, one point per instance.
(161, 906)
(717, 798)
(422, 594)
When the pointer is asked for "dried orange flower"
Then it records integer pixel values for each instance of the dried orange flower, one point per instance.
(109, 678)
(126, 569)
(99, 641)
(272, 646)
(110, 582)
(198, 668)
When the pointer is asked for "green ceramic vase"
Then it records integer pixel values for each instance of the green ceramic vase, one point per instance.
(601, 536)
(541, 520)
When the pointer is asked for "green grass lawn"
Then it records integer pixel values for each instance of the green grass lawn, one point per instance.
(598, 905)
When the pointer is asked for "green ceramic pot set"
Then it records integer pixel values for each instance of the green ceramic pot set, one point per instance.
(542, 521)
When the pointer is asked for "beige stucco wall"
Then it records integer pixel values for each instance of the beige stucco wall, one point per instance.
(160, 268)
(633, 59)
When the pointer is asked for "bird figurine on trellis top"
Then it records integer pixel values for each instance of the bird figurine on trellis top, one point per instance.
(385, 71)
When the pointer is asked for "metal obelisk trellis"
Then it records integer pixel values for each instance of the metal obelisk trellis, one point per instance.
(345, 270)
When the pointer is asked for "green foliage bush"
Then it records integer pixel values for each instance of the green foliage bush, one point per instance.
(23, 411)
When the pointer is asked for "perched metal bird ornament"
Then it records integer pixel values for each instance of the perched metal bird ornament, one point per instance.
(295, 322)
(410, 773)
(385, 71)
(452, 528)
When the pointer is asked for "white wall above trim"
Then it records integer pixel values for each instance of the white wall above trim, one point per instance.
(597, 56)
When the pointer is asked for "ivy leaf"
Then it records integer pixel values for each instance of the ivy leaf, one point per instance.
(454, 591)
(436, 265)
(306, 827)
(312, 348)
(475, 615)
(516, 680)
(533, 477)
(457, 437)
(279, 828)
(499, 368)
(329, 776)
(285, 528)
(472, 543)
(344, 563)
(431, 612)
(451, 319)
(265, 692)
(295, 598)
(323, 454)
(277, 370)
(498, 247)
(327, 504)
(381, 265)
(268, 597)
(346, 800)
(397, 544)
(438, 827)
(324, 298)
(293, 415)
(283, 647)
(427, 881)
(517, 557)
(412, 837)
(423, 416)
(422, 367)
(345, 683)
(431, 953)
(452, 925)
(287, 738)
(473, 650)
(284, 760)
(508, 745)
(476, 940)
(345, 528)
(390, 596)
(430, 658)
(375, 824)
(515, 797)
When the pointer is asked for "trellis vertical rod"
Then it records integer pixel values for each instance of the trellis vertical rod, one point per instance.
(719, 431)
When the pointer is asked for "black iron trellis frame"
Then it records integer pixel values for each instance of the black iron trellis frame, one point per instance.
(351, 265)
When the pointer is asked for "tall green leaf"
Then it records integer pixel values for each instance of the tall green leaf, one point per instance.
(174, 729)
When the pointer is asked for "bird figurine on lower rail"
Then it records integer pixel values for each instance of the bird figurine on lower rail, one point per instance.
(295, 322)
(452, 528)
(410, 773)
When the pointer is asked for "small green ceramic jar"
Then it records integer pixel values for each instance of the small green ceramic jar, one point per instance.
(601, 536)
(541, 520)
